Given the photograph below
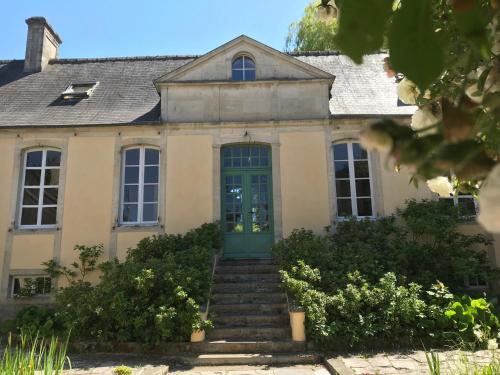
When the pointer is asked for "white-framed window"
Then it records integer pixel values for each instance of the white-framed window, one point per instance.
(353, 181)
(29, 286)
(466, 204)
(476, 282)
(40, 188)
(140, 183)
(243, 68)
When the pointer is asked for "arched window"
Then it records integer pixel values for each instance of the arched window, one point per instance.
(140, 181)
(40, 188)
(243, 69)
(353, 184)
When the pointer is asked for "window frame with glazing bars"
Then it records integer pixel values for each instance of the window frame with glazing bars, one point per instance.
(352, 181)
(41, 188)
(140, 186)
(244, 69)
(45, 292)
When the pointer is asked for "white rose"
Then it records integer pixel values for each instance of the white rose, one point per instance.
(492, 344)
(424, 117)
(407, 91)
(376, 140)
(441, 185)
(489, 201)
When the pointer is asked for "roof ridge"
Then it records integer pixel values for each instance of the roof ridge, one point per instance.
(126, 58)
(327, 53)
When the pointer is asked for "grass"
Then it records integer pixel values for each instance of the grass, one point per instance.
(464, 365)
(34, 355)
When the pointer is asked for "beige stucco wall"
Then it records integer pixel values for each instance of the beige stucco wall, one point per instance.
(304, 181)
(129, 240)
(88, 195)
(29, 251)
(189, 184)
(7, 152)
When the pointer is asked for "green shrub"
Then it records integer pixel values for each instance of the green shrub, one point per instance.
(154, 295)
(122, 370)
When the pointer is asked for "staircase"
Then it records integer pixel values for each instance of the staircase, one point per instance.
(250, 315)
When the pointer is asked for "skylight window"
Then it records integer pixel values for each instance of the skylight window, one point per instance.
(79, 90)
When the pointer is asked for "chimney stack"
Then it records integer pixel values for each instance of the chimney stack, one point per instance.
(42, 45)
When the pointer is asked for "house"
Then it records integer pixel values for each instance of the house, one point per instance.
(112, 150)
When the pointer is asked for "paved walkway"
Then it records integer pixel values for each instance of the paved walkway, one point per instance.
(252, 370)
(411, 363)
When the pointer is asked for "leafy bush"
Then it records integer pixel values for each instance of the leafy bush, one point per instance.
(422, 244)
(380, 282)
(122, 370)
(154, 295)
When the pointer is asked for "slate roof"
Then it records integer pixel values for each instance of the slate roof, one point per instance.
(126, 93)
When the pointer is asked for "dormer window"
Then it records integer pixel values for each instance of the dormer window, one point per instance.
(79, 90)
(243, 69)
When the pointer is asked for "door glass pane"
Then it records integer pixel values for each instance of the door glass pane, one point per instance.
(30, 196)
(34, 159)
(259, 203)
(131, 175)
(364, 206)
(233, 203)
(340, 152)
(131, 193)
(49, 215)
(343, 188)
(29, 216)
(344, 207)
(132, 157)
(152, 156)
(150, 175)
(150, 193)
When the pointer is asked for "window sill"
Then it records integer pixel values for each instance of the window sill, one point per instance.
(138, 227)
(39, 230)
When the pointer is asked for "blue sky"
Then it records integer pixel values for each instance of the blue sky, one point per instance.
(100, 28)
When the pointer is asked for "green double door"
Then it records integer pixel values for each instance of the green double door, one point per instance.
(247, 209)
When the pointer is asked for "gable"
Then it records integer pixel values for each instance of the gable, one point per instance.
(270, 64)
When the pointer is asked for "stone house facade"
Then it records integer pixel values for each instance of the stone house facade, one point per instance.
(111, 150)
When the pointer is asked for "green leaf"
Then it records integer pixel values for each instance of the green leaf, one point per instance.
(449, 313)
(472, 23)
(362, 25)
(479, 303)
(415, 48)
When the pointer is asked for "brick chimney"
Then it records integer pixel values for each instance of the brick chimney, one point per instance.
(42, 45)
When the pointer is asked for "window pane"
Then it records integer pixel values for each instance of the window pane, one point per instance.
(341, 169)
(150, 212)
(363, 188)
(237, 75)
(358, 152)
(343, 188)
(131, 193)
(32, 177)
(150, 193)
(53, 159)
(132, 157)
(30, 196)
(131, 175)
(29, 216)
(151, 156)
(17, 286)
(448, 202)
(249, 75)
(466, 206)
(238, 63)
(49, 215)
(130, 212)
(340, 152)
(150, 174)
(361, 169)
(364, 206)
(52, 177)
(50, 195)
(34, 159)
(344, 207)
(249, 64)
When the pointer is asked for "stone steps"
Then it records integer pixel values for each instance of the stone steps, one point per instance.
(250, 308)
(270, 287)
(246, 269)
(246, 278)
(226, 320)
(249, 298)
(238, 347)
(254, 262)
(250, 333)
(254, 359)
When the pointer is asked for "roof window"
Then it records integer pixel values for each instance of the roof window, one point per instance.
(79, 90)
